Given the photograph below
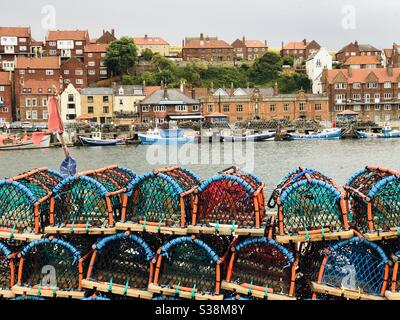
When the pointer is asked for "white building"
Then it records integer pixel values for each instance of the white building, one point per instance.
(315, 65)
(126, 103)
(71, 107)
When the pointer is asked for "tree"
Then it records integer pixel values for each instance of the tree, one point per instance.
(147, 54)
(291, 83)
(149, 78)
(266, 69)
(161, 63)
(121, 55)
(166, 76)
(288, 61)
(127, 80)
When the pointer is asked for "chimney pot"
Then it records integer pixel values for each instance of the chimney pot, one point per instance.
(276, 89)
(201, 36)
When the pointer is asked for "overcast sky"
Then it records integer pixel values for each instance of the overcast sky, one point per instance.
(332, 23)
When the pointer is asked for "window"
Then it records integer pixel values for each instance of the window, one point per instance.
(210, 108)
(387, 96)
(34, 102)
(28, 115)
(302, 106)
(53, 52)
(272, 108)
(145, 108)
(196, 108)
(239, 108)
(71, 106)
(388, 107)
(159, 108)
(1, 100)
(92, 72)
(52, 44)
(339, 108)
(28, 102)
(387, 117)
(145, 120)
(340, 97)
(22, 39)
(92, 64)
(372, 85)
(160, 120)
(71, 98)
(90, 110)
(66, 72)
(79, 72)
(23, 48)
(45, 115)
(387, 85)
(181, 108)
(357, 97)
(79, 81)
(2, 89)
(49, 72)
(90, 55)
(79, 52)
(340, 86)
(105, 98)
(226, 108)
(103, 72)
(377, 97)
(44, 102)
(367, 107)
(286, 107)
(357, 108)
(367, 97)
(79, 43)
(34, 115)
(356, 85)
(377, 107)
(105, 109)
(318, 107)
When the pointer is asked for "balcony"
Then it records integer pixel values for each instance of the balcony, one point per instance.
(125, 115)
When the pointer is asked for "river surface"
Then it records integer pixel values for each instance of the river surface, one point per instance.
(269, 160)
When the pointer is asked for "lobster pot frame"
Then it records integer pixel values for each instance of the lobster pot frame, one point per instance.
(231, 203)
(311, 210)
(374, 197)
(24, 203)
(261, 268)
(82, 205)
(50, 268)
(187, 268)
(7, 272)
(160, 202)
(393, 293)
(353, 269)
(120, 264)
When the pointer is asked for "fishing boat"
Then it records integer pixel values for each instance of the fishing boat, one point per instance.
(96, 140)
(9, 143)
(168, 136)
(325, 134)
(387, 133)
(248, 137)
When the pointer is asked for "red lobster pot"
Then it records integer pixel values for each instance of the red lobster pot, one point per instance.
(263, 269)
(231, 203)
(310, 208)
(7, 272)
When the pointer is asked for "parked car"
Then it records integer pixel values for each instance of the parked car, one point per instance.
(16, 125)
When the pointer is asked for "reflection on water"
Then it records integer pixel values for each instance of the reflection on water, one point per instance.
(272, 160)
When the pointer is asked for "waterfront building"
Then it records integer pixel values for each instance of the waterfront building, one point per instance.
(362, 62)
(6, 114)
(126, 103)
(94, 62)
(299, 50)
(67, 43)
(14, 42)
(372, 93)
(70, 104)
(205, 48)
(97, 104)
(74, 71)
(166, 104)
(249, 49)
(315, 66)
(355, 49)
(155, 44)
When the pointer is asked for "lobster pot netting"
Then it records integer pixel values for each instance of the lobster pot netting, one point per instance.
(262, 263)
(227, 200)
(294, 177)
(6, 268)
(122, 260)
(157, 198)
(379, 188)
(50, 264)
(310, 205)
(188, 263)
(24, 196)
(356, 265)
(82, 201)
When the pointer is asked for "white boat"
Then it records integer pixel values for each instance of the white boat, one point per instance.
(248, 137)
(24, 145)
(325, 134)
(96, 140)
(387, 133)
(169, 136)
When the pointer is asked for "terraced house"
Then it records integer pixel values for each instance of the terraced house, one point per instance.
(14, 41)
(67, 43)
(354, 49)
(249, 49)
(372, 93)
(6, 114)
(300, 50)
(94, 62)
(97, 105)
(155, 44)
(209, 49)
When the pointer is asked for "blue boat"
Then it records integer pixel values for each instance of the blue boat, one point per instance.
(387, 133)
(170, 136)
(326, 134)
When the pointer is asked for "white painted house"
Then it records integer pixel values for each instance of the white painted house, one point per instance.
(71, 107)
(315, 65)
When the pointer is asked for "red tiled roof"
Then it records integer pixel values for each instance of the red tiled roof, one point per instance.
(45, 85)
(255, 44)
(150, 41)
(21, 32)
(96, 47)
(37, 63)
(294, 46)
(362, 60)
(361, 75)
(4, 78)
(150, 89)
(388, 52)
(76, 35)
(206, 44)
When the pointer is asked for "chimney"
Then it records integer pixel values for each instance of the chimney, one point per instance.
(114, 87)
(183, 43)
(165, 93)
(276, 89)
(193, 93)
(144, 84)
(113, 32)
(201, 36)
(162, 84)
(232, 93)
(305, 42)
(182, 86)
(145, 36)
(356, 43)
(283, 45)
(244, 39)
(212, 86)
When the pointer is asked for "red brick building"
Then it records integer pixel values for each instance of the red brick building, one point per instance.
(249, 49)
(5, 98)
(208, 49)
(299, 50)
(362, 62)
(67, 44)
(14, 41)
(94, 62)
(74, 71)
(33, 100)
(372, 93)
(356, 49)
(107, 37)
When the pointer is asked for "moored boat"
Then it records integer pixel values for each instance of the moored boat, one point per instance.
(170, 136)
(97, 141)
(387, 133)
(12, 144)
(325, 134)
(249, 137)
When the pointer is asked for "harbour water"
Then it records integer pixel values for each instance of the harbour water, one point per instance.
(270, 160)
